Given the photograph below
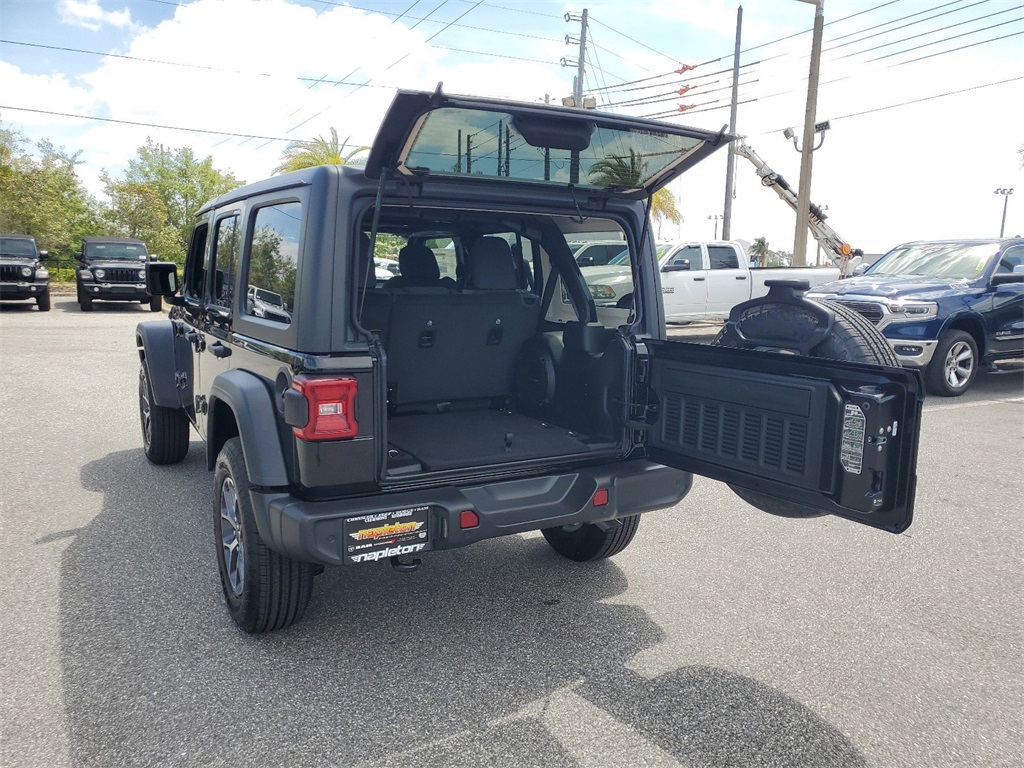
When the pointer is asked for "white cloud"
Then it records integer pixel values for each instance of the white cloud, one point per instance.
(89, 14)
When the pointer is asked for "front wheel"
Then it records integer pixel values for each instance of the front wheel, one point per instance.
(591, 542)
(155, 304)
(164, 430)
(264, 591)
(43, 302)
(954, 365)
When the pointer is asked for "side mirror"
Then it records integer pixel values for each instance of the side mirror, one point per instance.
(860, 269)
(162, 278)
(585, 261)
(1004, 278)
(44, 255)
(682, 265)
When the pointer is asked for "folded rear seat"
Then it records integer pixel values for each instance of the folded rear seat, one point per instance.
(445, 346)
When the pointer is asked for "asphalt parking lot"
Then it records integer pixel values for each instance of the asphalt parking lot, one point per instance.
(721, 637)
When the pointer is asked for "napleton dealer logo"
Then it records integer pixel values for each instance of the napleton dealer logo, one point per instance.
(385, 531)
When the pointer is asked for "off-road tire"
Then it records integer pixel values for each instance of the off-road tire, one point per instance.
(852, 339)
(954, 350)
(589, 542)
(165, 431)
(85, 304)
(155, 304)
(274, 590)
(43, 302)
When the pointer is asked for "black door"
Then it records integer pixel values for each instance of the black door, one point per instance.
(838, 437)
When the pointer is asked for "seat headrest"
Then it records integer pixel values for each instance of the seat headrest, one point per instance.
(491, 265)
(418, 265)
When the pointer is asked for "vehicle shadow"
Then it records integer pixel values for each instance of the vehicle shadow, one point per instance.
(455, 664)
(68, 303)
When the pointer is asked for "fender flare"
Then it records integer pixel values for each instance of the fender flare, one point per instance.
(251, 403)
(155, 342)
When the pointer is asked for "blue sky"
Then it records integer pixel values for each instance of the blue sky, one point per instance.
(902, 160)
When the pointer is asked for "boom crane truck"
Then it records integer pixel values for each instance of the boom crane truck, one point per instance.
(822, 232)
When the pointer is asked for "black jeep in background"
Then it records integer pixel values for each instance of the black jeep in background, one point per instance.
(377, 421)
(113, 269)
(22, 274)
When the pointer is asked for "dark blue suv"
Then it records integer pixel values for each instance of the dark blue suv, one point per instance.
(946, 307)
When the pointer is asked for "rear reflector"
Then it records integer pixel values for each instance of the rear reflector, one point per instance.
(601, 497)
(468, 519)
(331, 408)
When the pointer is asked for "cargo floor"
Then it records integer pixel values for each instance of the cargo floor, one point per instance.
(443, 441)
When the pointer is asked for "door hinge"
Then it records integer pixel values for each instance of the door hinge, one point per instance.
(181, 379)
(201, 405)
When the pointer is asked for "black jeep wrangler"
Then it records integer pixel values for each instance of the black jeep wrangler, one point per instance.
(381, 421)
(113, 269)
(22, 274)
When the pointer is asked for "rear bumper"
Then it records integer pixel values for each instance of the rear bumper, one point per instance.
(23, 290)
(314, 531)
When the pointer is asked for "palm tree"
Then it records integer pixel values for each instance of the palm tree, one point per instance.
(629, 171)
(307, 154)
(663, 208)
(760, 249)
(616, 171)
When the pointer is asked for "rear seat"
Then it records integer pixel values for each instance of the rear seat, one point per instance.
(445, 346)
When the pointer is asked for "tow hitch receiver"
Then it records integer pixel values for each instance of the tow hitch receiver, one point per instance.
(405, 563)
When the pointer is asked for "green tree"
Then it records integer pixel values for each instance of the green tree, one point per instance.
(618, 171)
(663, 208)
(760, 250)
(182, 181)
(43, 196)
(629, 171)
(137, 210)
(309, 154)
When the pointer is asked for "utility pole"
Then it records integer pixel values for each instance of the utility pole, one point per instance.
(804, 190)
(1006, 199)
(458, 161)
(578, 93)
(730, 171)
(577, 89)
(547, 150)
(501, 131)
(469, 153)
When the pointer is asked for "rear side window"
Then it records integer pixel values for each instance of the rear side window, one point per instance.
(273, 260)
(723, 257)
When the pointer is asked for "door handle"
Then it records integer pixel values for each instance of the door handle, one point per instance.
(741, 277)
(219, 350)
(699, 279)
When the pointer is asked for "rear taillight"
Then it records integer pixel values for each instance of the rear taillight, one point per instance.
(331, 411)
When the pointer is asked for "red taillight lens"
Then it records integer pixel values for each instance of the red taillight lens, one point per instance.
(331, 414)
(601, 497)
(468, 519)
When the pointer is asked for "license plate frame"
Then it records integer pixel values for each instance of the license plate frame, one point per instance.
(381, 535)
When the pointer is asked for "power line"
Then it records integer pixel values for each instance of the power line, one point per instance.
(145, 125)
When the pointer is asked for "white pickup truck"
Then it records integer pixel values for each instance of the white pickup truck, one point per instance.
(699, 280)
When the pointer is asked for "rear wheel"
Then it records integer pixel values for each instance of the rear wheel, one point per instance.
(954, 365)
(155, 304)
(43, 302)
(264, 590)
(852, 339)
(164, 430)
(590, 542)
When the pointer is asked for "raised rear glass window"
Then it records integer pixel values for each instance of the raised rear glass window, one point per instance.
(453, 141)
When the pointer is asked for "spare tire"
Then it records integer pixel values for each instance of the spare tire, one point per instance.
(852, 339)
